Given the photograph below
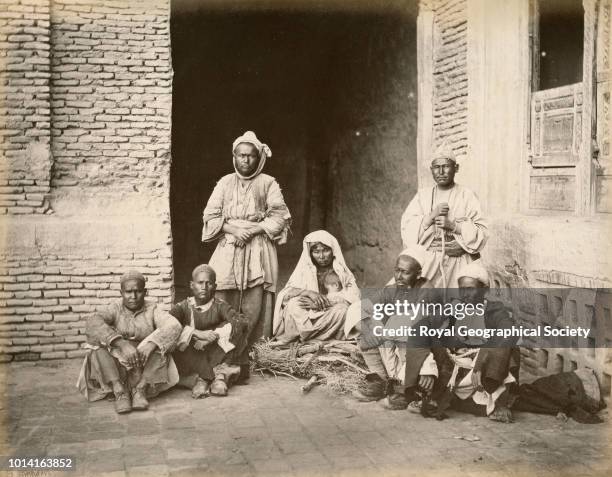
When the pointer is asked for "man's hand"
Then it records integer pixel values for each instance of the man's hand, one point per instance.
(426, 382)
(203, 338)
(444, 222)
(200, 344)
(129, 352)
(206, 335)
(144, 352)
(242, 233)
(245, 233)
(440, 209)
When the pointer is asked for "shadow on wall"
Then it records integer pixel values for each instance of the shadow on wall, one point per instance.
(334, 96)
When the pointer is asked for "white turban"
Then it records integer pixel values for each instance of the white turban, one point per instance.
(264, 151)
(250, 138)
(476, 271)
(418, 253)
(444, 151)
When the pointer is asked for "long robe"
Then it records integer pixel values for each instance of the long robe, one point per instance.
(148, 324)
(464, 207)
(239, 201)
(291, 321)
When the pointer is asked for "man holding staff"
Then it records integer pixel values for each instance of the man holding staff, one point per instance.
(447, 220)
(247, 217)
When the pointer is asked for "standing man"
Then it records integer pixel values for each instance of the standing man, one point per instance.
(246, 215)
(447, 220)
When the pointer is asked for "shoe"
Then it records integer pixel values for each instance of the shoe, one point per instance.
(201, 389)
(230, 371)
(395, 402)
(415, 407)
(123, 403)
(139, 401)
(373, 389)
(218, 386)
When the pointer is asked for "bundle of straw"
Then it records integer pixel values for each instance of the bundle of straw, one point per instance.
(337, 364)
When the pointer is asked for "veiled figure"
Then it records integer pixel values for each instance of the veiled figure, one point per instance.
(314, 302)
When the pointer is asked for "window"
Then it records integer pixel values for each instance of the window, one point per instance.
(561, 176)
(560, 43)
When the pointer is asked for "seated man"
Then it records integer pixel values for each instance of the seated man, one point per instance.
(212, 334)
(385, 358)
(129, 345)
(479, 378)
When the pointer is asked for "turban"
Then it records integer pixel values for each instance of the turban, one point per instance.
(132, 275)
(264, 151)
(204, 268)
(476, 271)
(444, 151)
(418, 253)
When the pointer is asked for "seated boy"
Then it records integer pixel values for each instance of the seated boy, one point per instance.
(213, 332)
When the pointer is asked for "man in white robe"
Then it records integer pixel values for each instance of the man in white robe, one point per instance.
(445, 216)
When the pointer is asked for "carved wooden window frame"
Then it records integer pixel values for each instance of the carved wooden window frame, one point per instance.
(568, 180)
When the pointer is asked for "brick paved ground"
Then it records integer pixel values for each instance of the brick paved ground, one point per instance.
(268, 428)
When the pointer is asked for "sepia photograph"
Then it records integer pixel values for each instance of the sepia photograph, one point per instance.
(305, 238)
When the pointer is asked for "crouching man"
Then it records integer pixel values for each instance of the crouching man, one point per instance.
(129, 344)
(213, 333)
(478, 375)
(385, 357)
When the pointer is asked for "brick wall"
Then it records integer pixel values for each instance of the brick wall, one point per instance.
(24, 106)
(85, 99)
(46, 300)
(450, 73)
(111, 76)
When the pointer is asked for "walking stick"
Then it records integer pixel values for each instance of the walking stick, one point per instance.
(441, 263)
(242, 278)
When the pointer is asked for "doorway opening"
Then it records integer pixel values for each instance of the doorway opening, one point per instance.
(306, 81)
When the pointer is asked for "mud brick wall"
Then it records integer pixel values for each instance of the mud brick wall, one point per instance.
(24, 106)
(450, 74)
(47, 300)
(85, 101)
(111, 75)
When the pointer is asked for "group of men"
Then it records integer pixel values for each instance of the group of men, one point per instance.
(444, 232)
(137, 350)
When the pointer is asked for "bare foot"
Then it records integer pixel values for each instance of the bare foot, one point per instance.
(502, 414)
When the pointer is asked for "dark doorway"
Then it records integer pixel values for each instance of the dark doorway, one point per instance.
(302, 80)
